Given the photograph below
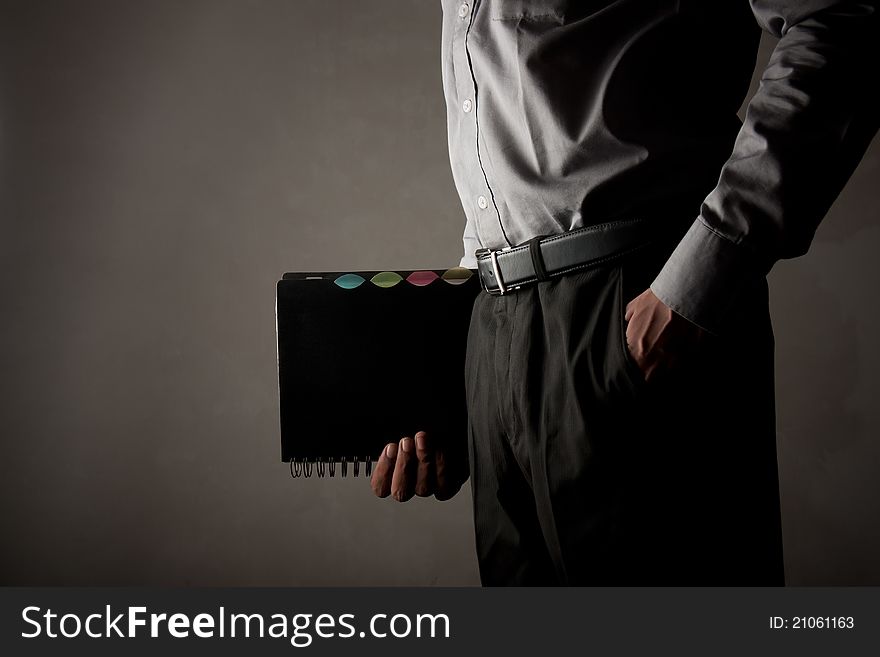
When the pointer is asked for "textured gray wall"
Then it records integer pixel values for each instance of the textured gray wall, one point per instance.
(161, 164)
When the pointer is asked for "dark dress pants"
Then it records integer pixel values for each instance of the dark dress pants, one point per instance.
(583, 473)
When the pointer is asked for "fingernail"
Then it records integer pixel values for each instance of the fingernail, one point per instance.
(391, 450)
(421, 441)
(407, 445)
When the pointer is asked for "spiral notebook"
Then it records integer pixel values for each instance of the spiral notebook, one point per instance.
(367, 357)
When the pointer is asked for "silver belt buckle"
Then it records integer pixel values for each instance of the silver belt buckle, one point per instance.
(493, 256)
(496, 270)
(501, 287)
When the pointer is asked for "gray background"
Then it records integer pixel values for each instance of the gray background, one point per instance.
(161, 164)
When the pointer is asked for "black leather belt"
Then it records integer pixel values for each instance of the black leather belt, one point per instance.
(546, 256)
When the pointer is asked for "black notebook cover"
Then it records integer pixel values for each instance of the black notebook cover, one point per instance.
(367, 357)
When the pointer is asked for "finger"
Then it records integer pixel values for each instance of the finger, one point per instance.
(380, 482)
(403, 481)
(425, 472)
(654, 371)
(654, 363)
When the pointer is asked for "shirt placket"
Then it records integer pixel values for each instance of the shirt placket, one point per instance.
(481, 199)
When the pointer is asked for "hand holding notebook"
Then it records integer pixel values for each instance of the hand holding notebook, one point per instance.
(416, 466)
(370, 358)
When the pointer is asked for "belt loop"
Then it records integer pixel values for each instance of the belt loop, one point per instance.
(537, 260)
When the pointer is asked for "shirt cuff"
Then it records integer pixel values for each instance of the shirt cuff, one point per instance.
(704, 275)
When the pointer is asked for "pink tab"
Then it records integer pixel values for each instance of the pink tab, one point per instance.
(422, 277)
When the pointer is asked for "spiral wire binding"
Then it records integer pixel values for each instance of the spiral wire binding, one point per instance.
(326, 466)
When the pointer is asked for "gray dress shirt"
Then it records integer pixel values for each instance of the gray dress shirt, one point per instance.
(568, 113)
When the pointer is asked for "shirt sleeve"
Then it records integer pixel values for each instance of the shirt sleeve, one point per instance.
(806, 128)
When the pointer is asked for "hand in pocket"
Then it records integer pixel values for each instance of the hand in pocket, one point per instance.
(659, 339)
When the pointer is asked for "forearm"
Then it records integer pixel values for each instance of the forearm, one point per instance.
(806, 128)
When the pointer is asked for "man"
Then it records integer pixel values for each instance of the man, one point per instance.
(619, 371)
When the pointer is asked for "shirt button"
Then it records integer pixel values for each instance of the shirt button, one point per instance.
(463, 10)
(466, 105)
(482, 202)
